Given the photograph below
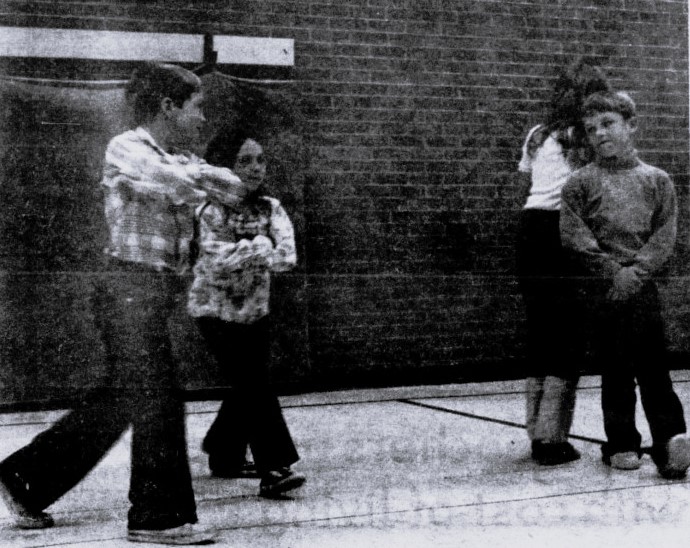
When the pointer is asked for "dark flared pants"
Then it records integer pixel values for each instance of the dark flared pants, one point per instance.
(250, 412)
(131, 308)
(631, 347)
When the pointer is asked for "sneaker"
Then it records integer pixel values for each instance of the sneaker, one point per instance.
(246, 470)
(184, 535)
(277, 482)
(550, 454)
(627, 460)
(22, 516)
(678, 457)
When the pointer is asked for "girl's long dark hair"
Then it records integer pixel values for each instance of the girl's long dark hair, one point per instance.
(573, 85)
(223, 148)
(564, 116)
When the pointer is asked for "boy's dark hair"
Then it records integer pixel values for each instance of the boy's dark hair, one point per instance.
(619, 102)
(152, 82)
(223, 149)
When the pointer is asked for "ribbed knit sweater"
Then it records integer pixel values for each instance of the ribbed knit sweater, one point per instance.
(619, 212)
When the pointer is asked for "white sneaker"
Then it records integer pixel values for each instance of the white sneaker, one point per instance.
(628, 460)
(678, 457)
(184, 535)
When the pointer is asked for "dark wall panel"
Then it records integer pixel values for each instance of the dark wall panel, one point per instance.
(413, 113)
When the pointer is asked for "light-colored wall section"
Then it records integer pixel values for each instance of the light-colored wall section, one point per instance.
(142, 46)
(247, 50)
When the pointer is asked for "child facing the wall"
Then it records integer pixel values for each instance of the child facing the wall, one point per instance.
(552, 151)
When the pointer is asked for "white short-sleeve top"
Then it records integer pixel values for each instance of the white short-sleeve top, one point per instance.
(550, 170)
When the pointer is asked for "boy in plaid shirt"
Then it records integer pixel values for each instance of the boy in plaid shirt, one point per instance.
(151, 189)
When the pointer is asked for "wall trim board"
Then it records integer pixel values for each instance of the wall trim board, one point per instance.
(142, 46)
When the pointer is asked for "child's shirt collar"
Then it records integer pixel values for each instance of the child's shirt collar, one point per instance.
(147, 138)
(628, 161)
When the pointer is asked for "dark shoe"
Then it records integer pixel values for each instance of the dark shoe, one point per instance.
(277, 482)
(551, 454)
(537, 449)
(22, 516)
(677, 457)
(184, 535)
(220, 470)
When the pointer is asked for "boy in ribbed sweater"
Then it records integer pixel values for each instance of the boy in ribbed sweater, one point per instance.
(618, 217)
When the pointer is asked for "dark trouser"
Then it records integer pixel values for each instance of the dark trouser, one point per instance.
(131, 310)
(552, 319)
(631, 347)
(548, 292)
(250, 412)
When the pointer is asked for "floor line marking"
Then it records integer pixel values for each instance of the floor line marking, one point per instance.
(446, 507)
(356, 402)
(488, 419)
(457, 506)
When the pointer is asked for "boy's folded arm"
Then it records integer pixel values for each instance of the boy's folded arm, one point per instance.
(221, 184)
(150, 173)
(655, 254)
(147, 171)
(198, 181)
(154, 189)
(579, 238)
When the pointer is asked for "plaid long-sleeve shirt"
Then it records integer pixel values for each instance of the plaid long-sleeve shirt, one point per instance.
(150, 195)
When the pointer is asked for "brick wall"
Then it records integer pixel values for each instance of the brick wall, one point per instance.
(414, 115)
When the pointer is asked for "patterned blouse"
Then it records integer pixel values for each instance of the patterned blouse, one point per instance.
(238, 250)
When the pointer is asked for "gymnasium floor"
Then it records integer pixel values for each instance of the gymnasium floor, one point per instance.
(424, 466)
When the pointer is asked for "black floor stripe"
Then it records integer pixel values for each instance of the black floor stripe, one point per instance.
(488, 419)
(370, 401)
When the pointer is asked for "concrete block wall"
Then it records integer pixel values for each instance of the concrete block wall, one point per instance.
(414, 114)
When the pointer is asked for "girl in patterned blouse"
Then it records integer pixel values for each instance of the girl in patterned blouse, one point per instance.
(238, 249)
